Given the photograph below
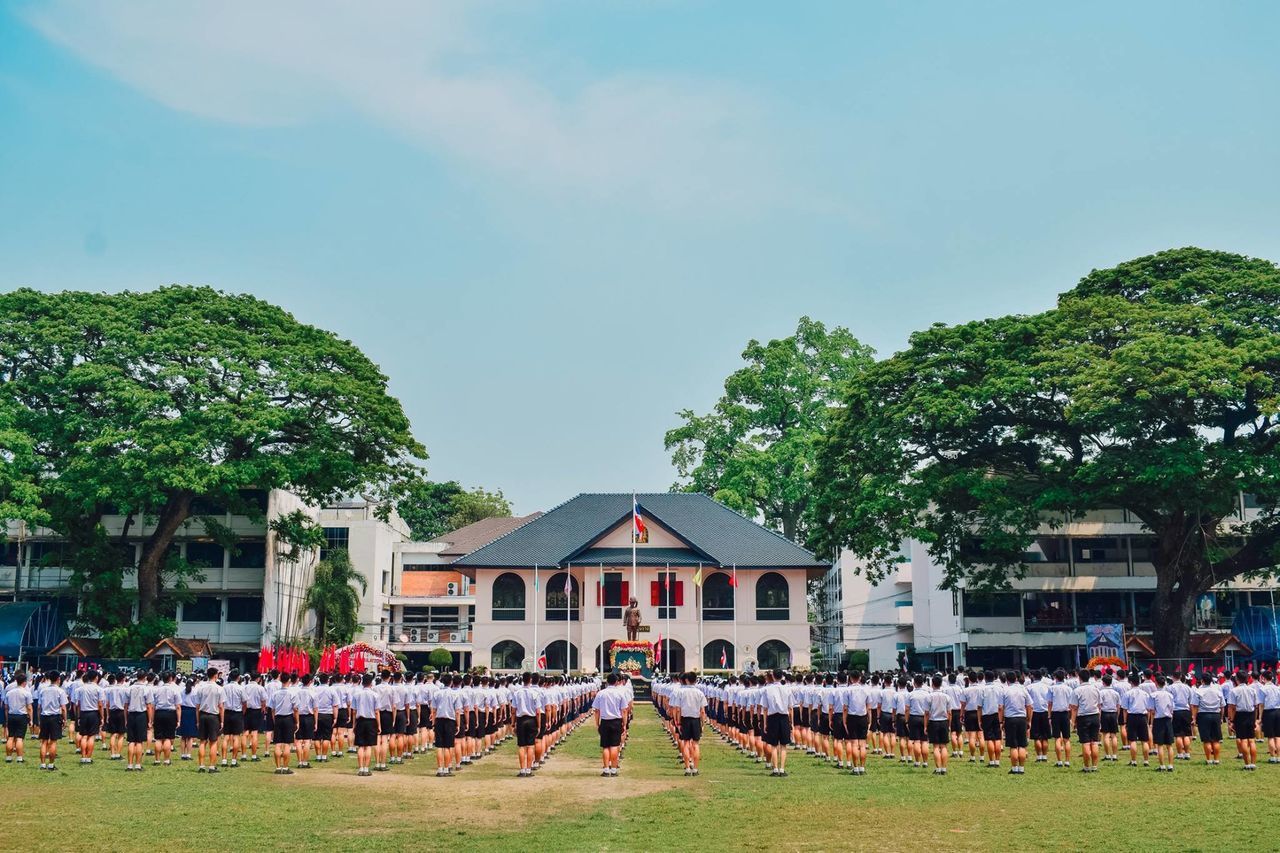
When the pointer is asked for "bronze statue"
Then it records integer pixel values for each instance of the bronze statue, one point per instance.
(631, 619)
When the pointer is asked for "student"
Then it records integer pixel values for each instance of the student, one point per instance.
(53, 716)
(1015, 707)
(1109, 718)
(1206, 713)
(364, 710)
(608, 708)
(955, 693)
(165, 701)
(1086, 718)
(1182, 728)
(90, 707)
(232, 720)
(775, 704)
(971, 705)
(326, 699)
(255, 704)
(188, 719)
(444, 716)
(938, 711)
(1162, 723)
(305, 703)
(917, 712)
(1137, 708)
(1041, 730)
(139, 707)
(1271, 715)
(210, 710)
(691, 705)
(284, 728)
(990, 701)
(117, 695)
(859, 712)
(1060, 718)
(18, 702)
(528, 712)
(1242, 709)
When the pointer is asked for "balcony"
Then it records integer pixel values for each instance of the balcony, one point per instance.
(422, 636)
(904, 615)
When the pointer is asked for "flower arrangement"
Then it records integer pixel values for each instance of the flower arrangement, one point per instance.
(630, 650)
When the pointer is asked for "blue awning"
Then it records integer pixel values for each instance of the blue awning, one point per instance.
(19, 622)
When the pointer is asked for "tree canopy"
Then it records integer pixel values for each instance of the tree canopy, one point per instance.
(1153, 386)
(433, 509)
(138, 403)
(756, 450)
(333, 598)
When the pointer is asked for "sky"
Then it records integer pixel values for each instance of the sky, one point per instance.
(554, 225)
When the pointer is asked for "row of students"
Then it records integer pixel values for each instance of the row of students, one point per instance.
(682, 705)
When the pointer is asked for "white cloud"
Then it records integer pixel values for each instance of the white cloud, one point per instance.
(423, 69)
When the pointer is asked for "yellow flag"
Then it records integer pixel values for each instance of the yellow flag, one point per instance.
(697, 577)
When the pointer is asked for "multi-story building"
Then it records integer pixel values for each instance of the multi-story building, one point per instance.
(1089, 571)
(557, 586)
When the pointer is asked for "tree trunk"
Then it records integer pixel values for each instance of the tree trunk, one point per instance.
(1178, 584)
(156, 549)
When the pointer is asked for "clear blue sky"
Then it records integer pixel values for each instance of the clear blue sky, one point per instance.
(555, 224)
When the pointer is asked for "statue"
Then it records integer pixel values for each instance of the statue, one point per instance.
(631, 619)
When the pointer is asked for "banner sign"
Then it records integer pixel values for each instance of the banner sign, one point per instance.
(1105, 645)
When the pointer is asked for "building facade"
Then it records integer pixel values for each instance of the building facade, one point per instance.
(1092, 570)
(556, 587)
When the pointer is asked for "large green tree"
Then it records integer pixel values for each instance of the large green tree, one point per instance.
(1153, 386)
(333, 598)
(432, 509)
(756, 450)
(138, 403)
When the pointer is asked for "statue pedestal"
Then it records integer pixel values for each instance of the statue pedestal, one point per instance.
(632, 658)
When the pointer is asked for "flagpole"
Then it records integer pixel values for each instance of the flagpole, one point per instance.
(736, 653)
(537, 652)
(634, 584)
(697, 597)
(666, 653)
(568, 614)
(601, 667)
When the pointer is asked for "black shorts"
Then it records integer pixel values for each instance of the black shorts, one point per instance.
(73, 713)
(777, 730)
(324, 726)
(17, 725)
(343, 720)
(89, 723)
(1245, 725)
(400, 722)
(366, 732)
(137, 727)
(233, 722)
(939, 732)
(1060, 721)
(446, 732)
(115, 721)
(857, 726)
(1110, 722)
(51, 727)
(1210, 726)
(796, 719)
(1162, 731)
(411, 725)
(253, 720)
(838, 729)
(972, 721)
(386, 722)
(1182, 723)
(1135, 727)
(1040, 728)
(165, 723)
(1015, 732)
(824, 723)
(886, 722)
(1089, 728)
(284, 729)
(526, 731)
(991, 727)
(900, 725)
(1271, 723)
(956, 723)
(306, 726)
(209, 726)
(610, 733)
(690, 728)
(915, 727)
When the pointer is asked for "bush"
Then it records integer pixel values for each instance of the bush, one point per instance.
(440, 658)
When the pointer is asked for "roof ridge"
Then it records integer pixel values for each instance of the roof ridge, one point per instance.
(519, 527)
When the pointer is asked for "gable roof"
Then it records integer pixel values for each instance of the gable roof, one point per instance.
(706, 527)
(476, 535)
(181, 647)
(85, 647)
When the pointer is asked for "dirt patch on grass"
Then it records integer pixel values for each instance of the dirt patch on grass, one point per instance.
(488, 796)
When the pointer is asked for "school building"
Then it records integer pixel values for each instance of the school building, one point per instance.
(1091, 570)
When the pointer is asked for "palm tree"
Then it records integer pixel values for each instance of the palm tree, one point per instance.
(333, 598)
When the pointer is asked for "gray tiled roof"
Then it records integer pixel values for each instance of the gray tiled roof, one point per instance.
(709, 528)
(644, 556)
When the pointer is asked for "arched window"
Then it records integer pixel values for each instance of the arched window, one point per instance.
(602, 656)
(716, 651)
(773, 598)
(507, 654)
(672, 655)
(555, 656)
(717, 598)
(559, 606)
(774, 654)
(508, 598)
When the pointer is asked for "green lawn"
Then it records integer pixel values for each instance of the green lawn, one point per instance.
(733, 805)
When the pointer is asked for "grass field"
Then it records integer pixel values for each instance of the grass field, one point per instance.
(733, 805)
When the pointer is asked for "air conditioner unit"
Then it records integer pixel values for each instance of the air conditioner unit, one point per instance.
(453, 589)
(455, 637)
(433, 636)
(415, 635)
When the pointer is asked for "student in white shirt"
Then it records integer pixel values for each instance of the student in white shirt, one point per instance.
(53, 718)
(18, 702)
(1206, 712)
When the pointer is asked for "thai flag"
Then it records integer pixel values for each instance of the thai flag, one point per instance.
(568, 585)
(638, 530)
(724, 658)
(542, 660)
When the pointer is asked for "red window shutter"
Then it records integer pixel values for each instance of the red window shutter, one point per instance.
(626, 593)
(679, 593)
(597, 593)
(654, 592)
